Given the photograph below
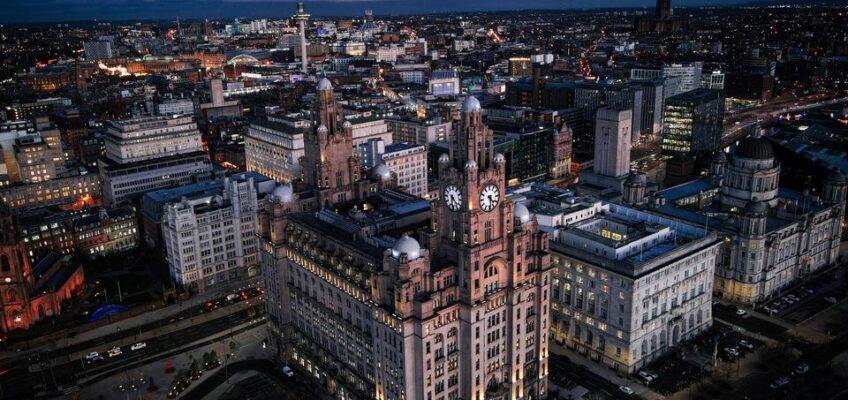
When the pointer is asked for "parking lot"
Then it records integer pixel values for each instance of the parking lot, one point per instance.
(801, 303)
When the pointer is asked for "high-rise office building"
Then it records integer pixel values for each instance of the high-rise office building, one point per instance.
(611, 163)
(693, 122)
(409, 163)
(273, 146)
(151, 153)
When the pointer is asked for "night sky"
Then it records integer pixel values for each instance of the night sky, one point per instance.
(18, 11)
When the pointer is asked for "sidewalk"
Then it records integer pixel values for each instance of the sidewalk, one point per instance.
(604, 372)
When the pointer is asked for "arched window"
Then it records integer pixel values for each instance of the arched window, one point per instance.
(10, 296)
(4, 260)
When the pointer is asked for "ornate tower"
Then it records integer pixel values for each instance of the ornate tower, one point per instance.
(502, 265)
(327, 163)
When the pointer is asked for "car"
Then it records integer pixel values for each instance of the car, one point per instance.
(652, 374)
(93, 356)
(809, 291)
(625, 390)
(740, 312)
(793, 297)
(830, 299)
(138, 346)
(802, 369)
(731, 351)
(779, 383)
(115, 351)
(646, 377)
(287, 371)
(746, 344)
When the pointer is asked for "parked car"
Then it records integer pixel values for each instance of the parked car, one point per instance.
(647, 378)
(802, 369)
(780, 383)
(746, 344)
(652, 374)
(115, 351)
(740, 312)
(830, 299)
(625, 390)
(287, 371)
(138, 346)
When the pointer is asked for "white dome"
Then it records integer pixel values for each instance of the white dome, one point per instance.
(382, 172)
(406, 245)
(346, 124)
(322, 128)
(471, 104)
(284, 193)
(471, 164)
(522, 213)
(444, 159)
(499, 158)
(324, 84)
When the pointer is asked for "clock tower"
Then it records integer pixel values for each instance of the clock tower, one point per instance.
(502, 263)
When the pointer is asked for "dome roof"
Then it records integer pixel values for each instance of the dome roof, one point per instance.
(499, 158)
(322, 128)
(284, 193)
(444, 159)
(719, 156)
(324, 84)
(382, 172)
(756, 207)
(755, 148)
(635, 178)
(471, 104)
(522, 213)
(836, 176)
(406, 245)
(346, 124)
(471, 164)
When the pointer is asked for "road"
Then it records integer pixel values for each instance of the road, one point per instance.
(297, 387)
(19, 383)
(561, 368)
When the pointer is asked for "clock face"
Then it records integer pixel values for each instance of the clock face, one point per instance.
(453, 198)
(489, 197)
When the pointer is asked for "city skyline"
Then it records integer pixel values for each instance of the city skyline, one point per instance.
(50, 11)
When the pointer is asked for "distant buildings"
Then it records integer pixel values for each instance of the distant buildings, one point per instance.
(412, 129)
(444, 83)
(211, 240)
(98, 50)
(611, 164)
(273, 146)
(87, 232)
(693, 122)
(409, 163)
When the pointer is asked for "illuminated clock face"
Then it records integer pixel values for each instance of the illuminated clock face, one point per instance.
(453, 198)
(489, 197)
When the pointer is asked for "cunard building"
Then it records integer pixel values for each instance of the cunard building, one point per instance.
(387, 299)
